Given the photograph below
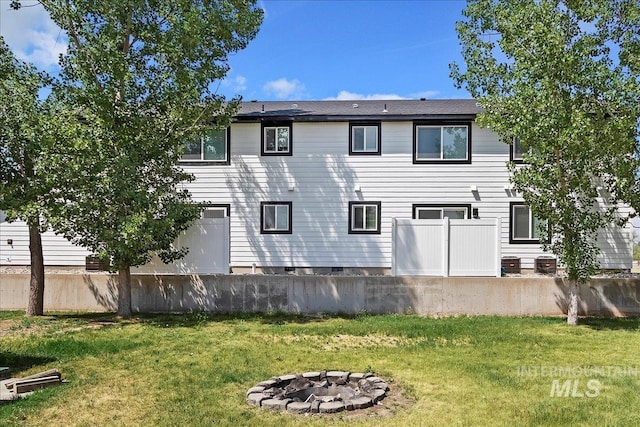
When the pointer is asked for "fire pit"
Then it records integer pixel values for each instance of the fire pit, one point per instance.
(318, 392)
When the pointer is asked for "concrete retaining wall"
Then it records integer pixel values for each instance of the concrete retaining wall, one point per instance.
(331, 294)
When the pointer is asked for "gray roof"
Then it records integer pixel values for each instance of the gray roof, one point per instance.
(358, 110)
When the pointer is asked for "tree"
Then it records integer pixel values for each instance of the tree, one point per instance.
(23, 137)
(138, 77)
(562, 76)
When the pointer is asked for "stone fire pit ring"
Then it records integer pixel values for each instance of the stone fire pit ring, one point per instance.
(319, 392)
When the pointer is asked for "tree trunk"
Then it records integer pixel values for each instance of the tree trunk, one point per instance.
(36, 284)
(572, 309)
(124, 291)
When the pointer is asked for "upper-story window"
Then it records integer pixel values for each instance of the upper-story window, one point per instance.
(524, 226)
(209, 148)
(276, 139)
(516, 150)
(446, 143)
(364, 138)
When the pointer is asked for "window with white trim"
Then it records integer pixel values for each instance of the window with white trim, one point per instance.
(215, 211)
(210, 148)
(276, 139)
(364, 217)
(275, 217)
(524, 226)
(442, 143)
(364, 138)
(432, 211)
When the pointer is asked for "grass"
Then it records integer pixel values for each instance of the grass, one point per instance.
(177, 370)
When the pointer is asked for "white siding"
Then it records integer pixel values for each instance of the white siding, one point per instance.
(57, 251)
(323, 177)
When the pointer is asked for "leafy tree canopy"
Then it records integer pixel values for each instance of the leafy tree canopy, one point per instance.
(139, 77)
(562, 76)
(137, 82)
(21, 137)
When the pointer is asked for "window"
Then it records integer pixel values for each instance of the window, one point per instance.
(516, 150)
(524, 226)
(364, 217)
(3, 216)
(451, 211)
(276, 139)
(215, 211)
(364, 138)
(449, 143)
(210, 148)
(275, 217)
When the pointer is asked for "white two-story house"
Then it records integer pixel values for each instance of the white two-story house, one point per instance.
(314, 186)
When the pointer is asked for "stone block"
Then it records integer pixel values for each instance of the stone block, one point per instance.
(275, 404)
(256, 399)
(313, 376)
(361, 402)
(331, 407)
(256, 389)
(298, 407)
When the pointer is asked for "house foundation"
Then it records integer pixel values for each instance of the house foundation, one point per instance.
(509, 296)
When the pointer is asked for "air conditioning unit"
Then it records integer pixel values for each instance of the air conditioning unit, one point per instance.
(510, 265)
(546, 265)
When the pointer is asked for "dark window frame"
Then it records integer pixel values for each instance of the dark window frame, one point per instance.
(278, 124)
(441, 124)
(289, 230)
(512, 149)
(512, 239)
(376, 124)
(415, 206)
(378, 206)
(202, 162)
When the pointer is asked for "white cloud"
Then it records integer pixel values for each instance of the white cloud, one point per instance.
(32, 35)
(425, 94)
(284, 88)
(345, 95)
(44, 51)
(237, 83)
(240, 83)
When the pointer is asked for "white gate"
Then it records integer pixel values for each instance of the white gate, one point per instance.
(208, 243)
(458, 247)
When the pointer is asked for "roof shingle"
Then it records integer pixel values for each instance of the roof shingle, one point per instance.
(354, 110)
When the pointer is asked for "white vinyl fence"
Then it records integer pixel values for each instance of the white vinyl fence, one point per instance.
(208, 243)
(458, 247)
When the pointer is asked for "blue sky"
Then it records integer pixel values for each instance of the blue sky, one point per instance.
(315, 49)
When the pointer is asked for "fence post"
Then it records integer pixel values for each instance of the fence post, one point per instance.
(394, 246)
(498, 247)
(445, 247)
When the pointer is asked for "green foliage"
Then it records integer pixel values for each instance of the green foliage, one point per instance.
(636, 252)
(138, 77)
(23, 138)
(563, 77)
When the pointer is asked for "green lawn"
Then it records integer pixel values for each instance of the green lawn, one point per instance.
(194, 370)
